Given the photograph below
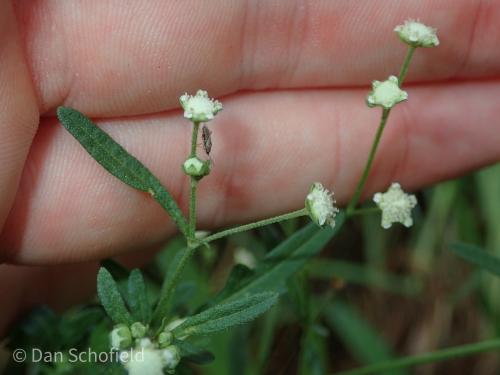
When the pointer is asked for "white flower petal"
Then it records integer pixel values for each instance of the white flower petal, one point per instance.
(321, 205)
(417, 34)
(199, 107)
(396, 206)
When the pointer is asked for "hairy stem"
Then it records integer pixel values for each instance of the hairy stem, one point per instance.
(257, 224)
(368, 166)
(383, 120)
(168, 289)
(194, 185)
(406, 65)
(365, 211)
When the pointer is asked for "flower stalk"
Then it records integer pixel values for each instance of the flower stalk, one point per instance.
(257, 224)
(378, 136)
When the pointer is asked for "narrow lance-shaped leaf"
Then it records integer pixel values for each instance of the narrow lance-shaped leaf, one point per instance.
(117, 161)
(111, 299)
(478, 257)
(193, 353)
(226, 315)
(357, 335)
(138, 298)
(286, 259)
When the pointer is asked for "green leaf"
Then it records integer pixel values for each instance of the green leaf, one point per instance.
(226, 315)
(117, 161)
(167, 292)
(236, 279)
(286, 259)
(193, 353)
(111, 299)
(118, 271)
(138, 298)
(360, 338)
(366, 275)
(478, 257)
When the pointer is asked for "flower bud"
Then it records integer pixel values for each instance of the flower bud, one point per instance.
(320, 206)
(138, 330)
(417, 34)
(120, 337)
(196, 168)
(171, 358)
(199, 108)
(386, 94)
(165, 339)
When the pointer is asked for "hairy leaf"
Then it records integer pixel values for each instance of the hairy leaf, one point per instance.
(286, 259)
(111, 299)
(227, 315)
(117, 161)
(478, 257)
(138, 298)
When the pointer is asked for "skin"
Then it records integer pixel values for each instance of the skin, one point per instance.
(292, 76)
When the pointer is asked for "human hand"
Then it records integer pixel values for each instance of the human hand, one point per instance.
(293, 81)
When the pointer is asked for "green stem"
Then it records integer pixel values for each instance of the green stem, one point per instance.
(257, 224)
(440, 355)
(371, 157)
(167, 292)
(383, 120)
(194, 185)
(192, 209)
(405, 66)
(170, 285)
(194, 139)
(365, 211)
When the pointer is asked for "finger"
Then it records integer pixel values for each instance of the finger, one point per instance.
(58, 286)
(268, 149)
(118, 58)
(18, 110)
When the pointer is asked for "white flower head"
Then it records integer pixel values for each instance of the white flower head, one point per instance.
(396, 206)
(320, 206)
(145, 361)
(386, 94)
(416, 34)
(199, 107)
(145, 343)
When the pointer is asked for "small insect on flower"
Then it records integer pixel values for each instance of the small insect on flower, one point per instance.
(206, 135)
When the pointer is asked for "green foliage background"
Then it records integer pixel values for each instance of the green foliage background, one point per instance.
(371, 295)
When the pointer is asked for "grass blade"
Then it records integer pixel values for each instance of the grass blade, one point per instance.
(286, 259)
(431, 357)
(478, 257)
(359, 337)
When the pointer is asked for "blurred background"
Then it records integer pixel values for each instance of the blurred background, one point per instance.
(371, 294)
